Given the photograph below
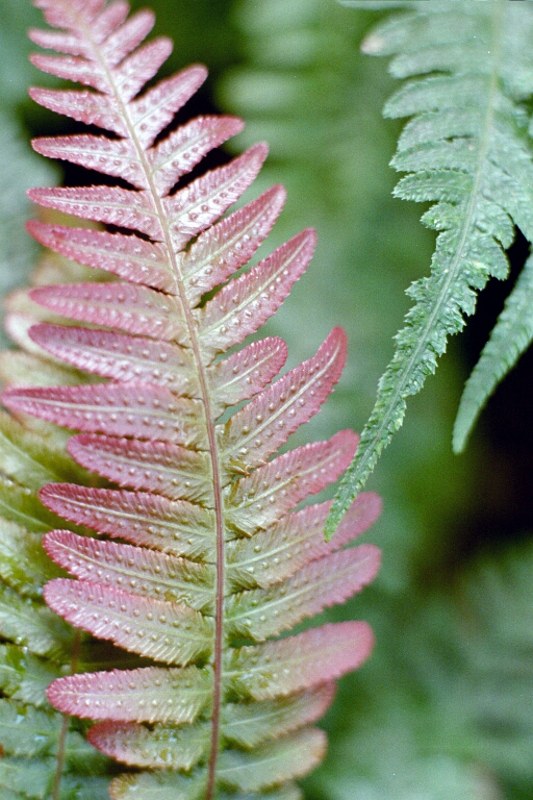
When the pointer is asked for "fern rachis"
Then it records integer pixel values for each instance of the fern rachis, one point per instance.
(201, 557)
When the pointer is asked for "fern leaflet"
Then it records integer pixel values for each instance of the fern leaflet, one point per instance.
(203, 556)
(467, 150)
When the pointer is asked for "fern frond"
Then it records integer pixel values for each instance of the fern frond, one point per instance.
(467, 150)
(207, 705)
(41, 753)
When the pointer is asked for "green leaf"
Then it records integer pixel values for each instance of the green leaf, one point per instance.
(23, 562)
(20, 505)
(31, 778)
(250, 724)
(30, 459)
(23, 676)
(475, 160)
(274, 763)
(33, 625)
(28, 732)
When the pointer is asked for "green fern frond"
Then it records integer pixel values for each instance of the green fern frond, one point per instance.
(44, 757)
(467, 151)
(509, 339)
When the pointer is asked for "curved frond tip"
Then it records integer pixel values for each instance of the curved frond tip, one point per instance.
(467, 150)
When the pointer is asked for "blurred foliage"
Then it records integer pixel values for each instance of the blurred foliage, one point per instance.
(21, 169)
(444, 708)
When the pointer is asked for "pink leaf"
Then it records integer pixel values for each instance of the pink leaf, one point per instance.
(127, 37)
(110, 204)
(197, 550)
(242, 306)
(122, 358)
(246, 372)
(266, 422)
(229, 244)
(114, 157)
(194, 208)
(130, 308)
(176, 527)
(108, 19)
(151, 466)
(62, 15)
(137, 69)
(262, 613)
(270, 491)
(73, 68)
(179, 152)
(153, 748)
(165, 631)
(141, 695)
(278, 669)
(126, 256)
(153, 110)
(135, 569)
(59, 41)
(83, 106)
(274, 555)
(142, 410)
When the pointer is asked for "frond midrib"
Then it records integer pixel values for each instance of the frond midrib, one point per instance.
(205, 399)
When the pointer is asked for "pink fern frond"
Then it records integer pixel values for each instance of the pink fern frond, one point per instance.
(274, 554)
(243, 305)
(112, 205)
(194, 208)
(144, 411)
(260, 614)
(184, 148)
(146, 572)
(278, 669)
(163, 630)
(119, 357)
(174, 526)
(253, 723)
(258, 500)
(243, 374)
(229, 244)
(154, 747)
(149, 694)
(122, 306)
(150, 466)
(201, 551)
(113, 157)
(262, 426)
(127, 257)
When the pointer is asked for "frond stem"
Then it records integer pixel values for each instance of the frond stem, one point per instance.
(210, 428)
(65, 725)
